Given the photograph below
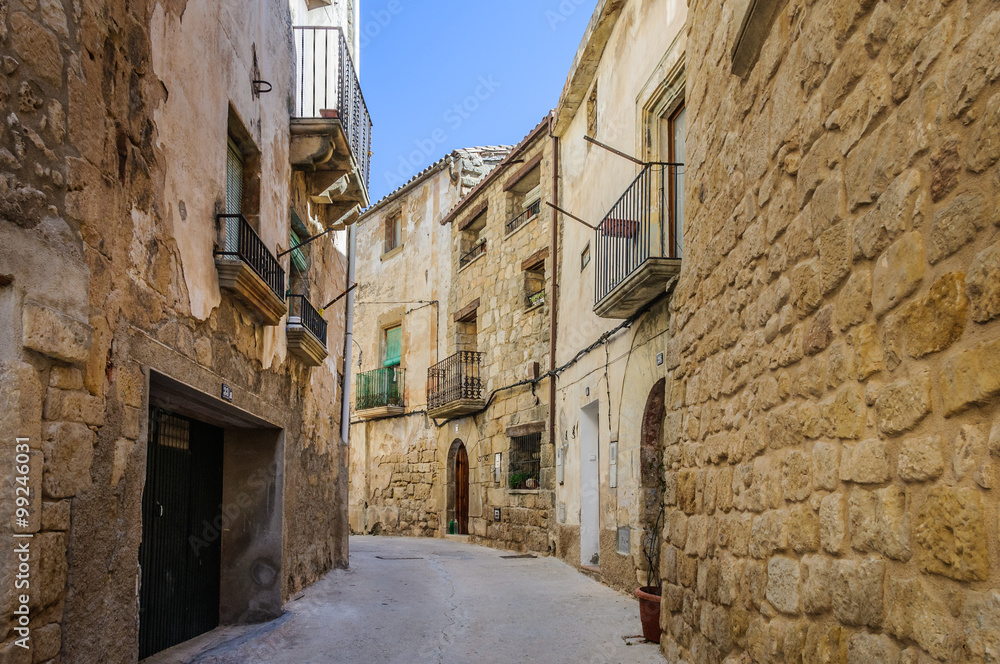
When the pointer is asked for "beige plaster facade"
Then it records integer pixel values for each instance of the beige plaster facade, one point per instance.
(113, 162)
(628, 78)
(833, 358)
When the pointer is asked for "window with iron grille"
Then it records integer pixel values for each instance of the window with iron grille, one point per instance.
(525, 459)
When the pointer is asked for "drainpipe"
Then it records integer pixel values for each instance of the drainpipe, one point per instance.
(345, 397)
(555, 285)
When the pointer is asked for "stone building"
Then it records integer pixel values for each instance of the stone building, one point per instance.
(833, 396)
(619, 126)
(166, 356)
(404, 274)
(487, 398)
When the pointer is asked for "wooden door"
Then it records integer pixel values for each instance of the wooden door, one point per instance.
(462, 490)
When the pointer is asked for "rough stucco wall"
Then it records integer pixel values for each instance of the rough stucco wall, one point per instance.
(835, 372)
(101, 283)
(645, 43)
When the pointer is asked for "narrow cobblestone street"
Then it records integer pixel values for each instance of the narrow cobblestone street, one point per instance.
(428, 600)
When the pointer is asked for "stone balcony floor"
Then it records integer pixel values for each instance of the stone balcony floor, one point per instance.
(430, 600)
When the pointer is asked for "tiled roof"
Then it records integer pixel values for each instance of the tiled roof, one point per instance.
(489, 154)
(507, 160)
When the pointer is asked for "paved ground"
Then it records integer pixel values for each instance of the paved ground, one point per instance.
(424, 600)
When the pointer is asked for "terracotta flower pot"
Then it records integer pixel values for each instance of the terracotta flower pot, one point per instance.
(649, 612)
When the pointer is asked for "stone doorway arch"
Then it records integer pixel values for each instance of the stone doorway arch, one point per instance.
(458, 488)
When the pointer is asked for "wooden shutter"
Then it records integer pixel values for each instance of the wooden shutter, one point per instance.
(393, 346)
(234, 194)
(299, 262)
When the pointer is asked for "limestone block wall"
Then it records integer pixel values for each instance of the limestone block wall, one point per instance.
(834, 402)
(511, 334)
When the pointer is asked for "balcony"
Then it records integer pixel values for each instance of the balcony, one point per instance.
(249, 271)
(472, 254)
(530, 213)
(331, 130)
(455, 386)
(380, 393)
(638, 245)
(306, 331)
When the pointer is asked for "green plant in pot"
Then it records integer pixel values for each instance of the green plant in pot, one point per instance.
(649, 595)
(517, 480)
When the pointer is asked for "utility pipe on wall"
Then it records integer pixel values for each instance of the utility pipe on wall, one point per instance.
(345, 394)
(554, 311)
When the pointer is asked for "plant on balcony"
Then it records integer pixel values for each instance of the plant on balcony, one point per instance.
(518, 480)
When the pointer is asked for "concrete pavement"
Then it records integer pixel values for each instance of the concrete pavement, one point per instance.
(427, 600)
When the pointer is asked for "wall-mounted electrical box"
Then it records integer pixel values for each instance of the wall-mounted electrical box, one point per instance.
(561, 463)
(613, 474)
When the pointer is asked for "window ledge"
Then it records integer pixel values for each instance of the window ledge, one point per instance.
(392, 252)
(521, 227)
(471, 262)
(523, 491)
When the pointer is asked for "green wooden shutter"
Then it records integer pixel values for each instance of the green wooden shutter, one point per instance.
(234, 194)
(298, 258)
(393, 346)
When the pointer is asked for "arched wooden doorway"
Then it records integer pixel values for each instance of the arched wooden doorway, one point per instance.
(462, 490)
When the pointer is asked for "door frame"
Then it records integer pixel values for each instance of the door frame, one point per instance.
(590, 484)
(458, 501)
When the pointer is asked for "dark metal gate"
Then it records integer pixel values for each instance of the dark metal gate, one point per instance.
(180, 553)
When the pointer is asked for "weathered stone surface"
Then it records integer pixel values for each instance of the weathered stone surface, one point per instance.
(833, 523)
(933, 323)
(826, 465)
(956, 225)
(855, 299)
(984, 149)
(834, 255)
(867, 648)
(38, 48)
(971, 376)
(981, 618)
(869, 357)
(920, 459)
(891, 216)
(984, 284)
(916, 614)
(844, 417)
(901, 405)
(51, 333)
(69, 452)
(880, 522)
(797, 475)
(994, 441)
(807, 286)
(56, 515)
(817, 582)
(74, 406)
(46, 642)
(52, 568)
(858, 591)
(951, 534)
(783, 585)
(898, 272)
(866, 462)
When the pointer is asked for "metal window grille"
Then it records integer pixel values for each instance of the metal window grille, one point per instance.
(525, 459)
(530, 213)
(380, 388)
(234, 194)
(476, 251)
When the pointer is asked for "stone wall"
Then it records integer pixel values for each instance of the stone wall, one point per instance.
(834, 353)
(103, 282)
(511, 333)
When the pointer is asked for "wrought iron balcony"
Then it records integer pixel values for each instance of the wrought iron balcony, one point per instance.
(306, 331)
(331, 126)
(249, 270)
(455, 385)
(638, 245)
(380, 392)
(523, 218)
(473, 254)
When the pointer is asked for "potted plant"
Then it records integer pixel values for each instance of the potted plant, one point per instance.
(517, 480)
(649, 594)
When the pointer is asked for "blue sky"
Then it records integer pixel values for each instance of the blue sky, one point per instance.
(444, 74)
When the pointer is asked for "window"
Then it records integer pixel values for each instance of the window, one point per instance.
(392, 346)
(524, 200)
(234, 194)
(393, 232)
(675, 150)
(534, 286)
(585, 257)
(298, 232)
(473, 240)
(525, 462)
(467, 334)
(242, 181)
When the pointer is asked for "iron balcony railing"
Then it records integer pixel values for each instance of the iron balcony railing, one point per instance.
(243, 243)
(523, 218)
(328, 87)
(380, 388)
(301, 312)
(456, 378)
(471, 255)
(646, 223)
